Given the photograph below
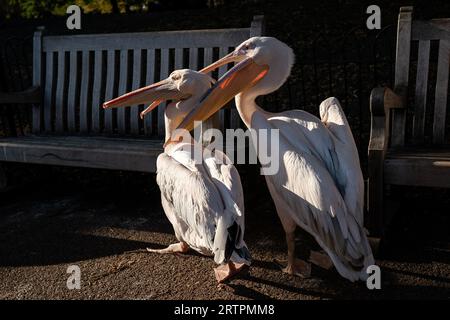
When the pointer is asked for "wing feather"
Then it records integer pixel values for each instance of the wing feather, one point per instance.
(349, 172)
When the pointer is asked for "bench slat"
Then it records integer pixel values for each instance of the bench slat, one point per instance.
(163, 74)
(107, 153)
(71, 95)
(37, 77)
(212, 121)
(417, 172)
(178, 58)
(401, 73)
(137, 72)
(149, 79)
(96, 92)
(48, 93)
(109, 94)
(223, 51)
(122, 112)
(84, 92)
(437, 29)
(441, 92)
(421, 91)
(60, 88)
(193, 58)
(140, 40)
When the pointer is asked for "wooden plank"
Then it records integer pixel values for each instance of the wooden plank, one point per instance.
(417, 172)
(96, 94)
(137, 71)
(207, 56)
(117, 154)
(148, 40)
(164, 74)
(149, 79)
(441, 93)
(84, 93)
(71, 95)
(121, 112)
(223, 51)
(60, 104)
(213, 121)
(48, 92)
(109, 94)
(420, 153)
(401, 73)
(37, 76)
(193, 58)
(421, 91)
(437, 29)
(257, 27)
(178, 58)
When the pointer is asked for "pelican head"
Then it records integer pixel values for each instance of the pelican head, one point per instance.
(183, 88)
(263, 65)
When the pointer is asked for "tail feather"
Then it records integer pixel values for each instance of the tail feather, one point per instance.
(228, 244)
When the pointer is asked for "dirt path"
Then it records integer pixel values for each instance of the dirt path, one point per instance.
(103, 222)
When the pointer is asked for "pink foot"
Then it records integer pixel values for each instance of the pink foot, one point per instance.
(320, 259)
(228, 270)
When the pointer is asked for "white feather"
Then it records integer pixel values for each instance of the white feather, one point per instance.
(202, 200)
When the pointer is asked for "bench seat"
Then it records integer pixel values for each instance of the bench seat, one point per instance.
(91, 152)
(418, 167)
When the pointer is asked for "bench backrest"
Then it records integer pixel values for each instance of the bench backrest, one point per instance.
(78, 73)
(422, 71)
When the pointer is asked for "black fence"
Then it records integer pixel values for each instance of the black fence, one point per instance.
(16, 56)
(345, 65)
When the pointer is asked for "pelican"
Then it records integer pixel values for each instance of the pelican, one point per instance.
(203, 201)
(319, 184)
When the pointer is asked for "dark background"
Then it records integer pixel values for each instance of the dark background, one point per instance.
(336, 55)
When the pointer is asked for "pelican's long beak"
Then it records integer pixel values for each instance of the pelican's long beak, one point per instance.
(241, 77)
(155, 94)
(229, 58)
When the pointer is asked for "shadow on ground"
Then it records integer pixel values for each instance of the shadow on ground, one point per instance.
(102, 221)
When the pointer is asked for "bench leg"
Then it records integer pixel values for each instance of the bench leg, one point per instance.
(3, 180)
(375, 196)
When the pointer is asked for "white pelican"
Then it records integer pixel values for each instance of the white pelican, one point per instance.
(203, 201)
(319, 184)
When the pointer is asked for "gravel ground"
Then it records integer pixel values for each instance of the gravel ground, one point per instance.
(103, 221)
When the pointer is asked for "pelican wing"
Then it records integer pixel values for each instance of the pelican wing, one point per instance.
(307, 133)
(231, 224)
(192, 201)
(348, 168)
(332, 143)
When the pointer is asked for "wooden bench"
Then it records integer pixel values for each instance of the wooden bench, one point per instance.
(409, 143)
(74, 75)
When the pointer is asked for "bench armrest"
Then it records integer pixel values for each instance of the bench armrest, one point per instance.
(381, 101)
(31, 95)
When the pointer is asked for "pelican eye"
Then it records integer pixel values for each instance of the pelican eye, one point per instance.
(248, 46)
(175, 77)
